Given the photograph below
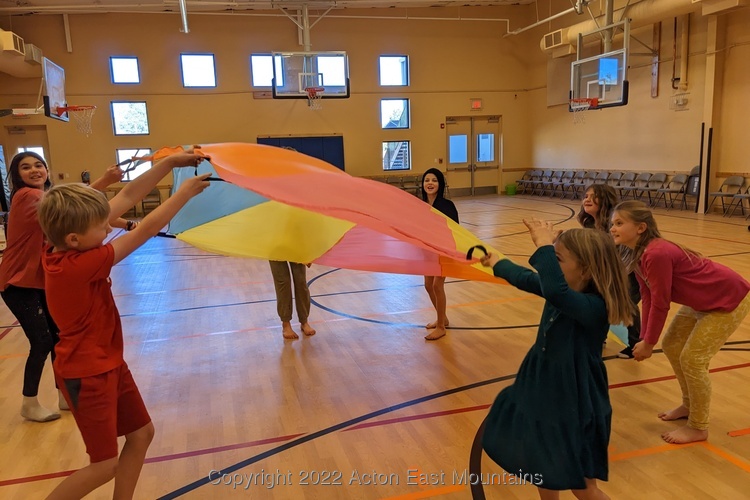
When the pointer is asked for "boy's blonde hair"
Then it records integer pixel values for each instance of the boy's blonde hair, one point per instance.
(71, 208)
(596, 254)
(638, 212)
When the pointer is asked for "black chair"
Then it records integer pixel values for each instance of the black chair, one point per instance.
(589, 178)
(566, 178)
(151, 201)
(525, 180)
(672, 190)
(731, 186)
(626, 182)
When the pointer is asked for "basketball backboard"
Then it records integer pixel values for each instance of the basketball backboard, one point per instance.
(54, 90)
(298, 71)
(602, 76)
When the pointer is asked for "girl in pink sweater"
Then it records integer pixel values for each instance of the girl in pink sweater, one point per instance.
(714, 302)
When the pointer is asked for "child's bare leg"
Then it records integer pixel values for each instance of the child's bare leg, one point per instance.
(440, 305)
(131, 461)
(84, 481)
(546, 494)
(685, 434)
(592, 492)
(307, 329)
(681, 411)
(428, 285)
(287, 331)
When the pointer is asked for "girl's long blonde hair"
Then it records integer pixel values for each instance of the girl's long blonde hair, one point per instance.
(639, 213)
(596, 254)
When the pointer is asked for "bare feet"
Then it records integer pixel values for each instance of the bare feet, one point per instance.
(684, 435)
(288, 332)
(432, 325)
(307, 329)
(675, 414)
(435, 334)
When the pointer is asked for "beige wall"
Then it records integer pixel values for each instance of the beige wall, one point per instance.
(450, 62)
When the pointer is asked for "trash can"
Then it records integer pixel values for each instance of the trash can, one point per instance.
(510, 189)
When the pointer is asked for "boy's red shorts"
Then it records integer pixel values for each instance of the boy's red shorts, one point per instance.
(105, 406)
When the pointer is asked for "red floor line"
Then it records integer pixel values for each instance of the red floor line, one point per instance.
(163, 458)
(8, 330)
(417, 417)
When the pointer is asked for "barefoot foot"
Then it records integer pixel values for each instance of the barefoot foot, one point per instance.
(435, 334)
(307, 329)
(432, 325)
(684, 435)
(288, 332)
(675, 414)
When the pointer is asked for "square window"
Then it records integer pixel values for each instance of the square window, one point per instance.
(129, 118)
(124, 70)
(133, 171)
(394, 113)
(33, 149)
(394, 70)
(198, 70)
(261, 70)
(396, 155)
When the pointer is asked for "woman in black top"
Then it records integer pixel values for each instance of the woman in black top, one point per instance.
(433, 188)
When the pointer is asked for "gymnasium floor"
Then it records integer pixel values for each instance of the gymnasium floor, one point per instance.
(366, 409)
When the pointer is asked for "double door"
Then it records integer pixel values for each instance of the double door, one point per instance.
(474, 154)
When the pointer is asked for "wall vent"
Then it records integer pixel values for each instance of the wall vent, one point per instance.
(12, 43)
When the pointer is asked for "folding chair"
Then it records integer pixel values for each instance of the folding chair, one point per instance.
(674, 187)
(657, 181)
(626, 182)
(566, 178)
(740, 199)
(639, 183)
(731, 186)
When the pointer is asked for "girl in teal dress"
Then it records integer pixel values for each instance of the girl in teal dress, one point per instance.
(554, 422)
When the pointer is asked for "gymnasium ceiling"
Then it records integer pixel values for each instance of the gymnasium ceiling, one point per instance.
(25, 7)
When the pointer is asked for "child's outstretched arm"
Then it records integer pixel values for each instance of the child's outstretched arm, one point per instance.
(139, 187)
(111, 175)
(518, 276)
(153, 222)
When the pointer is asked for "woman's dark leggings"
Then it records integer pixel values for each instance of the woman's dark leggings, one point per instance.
(29, 306)
(634, 330)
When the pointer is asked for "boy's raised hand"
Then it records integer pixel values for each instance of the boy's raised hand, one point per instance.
(189, 158)
(112, 174)
(542, 232)
(195, 185)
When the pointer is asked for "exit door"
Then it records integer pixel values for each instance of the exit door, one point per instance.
(474, 154)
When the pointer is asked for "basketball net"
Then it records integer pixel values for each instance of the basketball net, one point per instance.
(314, 97)
(82, 116)
(579, 105)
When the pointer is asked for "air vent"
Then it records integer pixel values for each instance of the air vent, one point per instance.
(552, 40)
(12, 43)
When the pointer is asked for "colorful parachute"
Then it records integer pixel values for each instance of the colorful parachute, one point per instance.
(283, 205)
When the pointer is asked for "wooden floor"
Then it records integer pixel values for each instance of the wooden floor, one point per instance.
(366, 406)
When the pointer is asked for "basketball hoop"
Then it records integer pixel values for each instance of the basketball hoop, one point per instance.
(579, 105)
(314, 97)
(82, 116)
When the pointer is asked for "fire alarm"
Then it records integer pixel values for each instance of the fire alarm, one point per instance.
(476, 104)
(442, 125)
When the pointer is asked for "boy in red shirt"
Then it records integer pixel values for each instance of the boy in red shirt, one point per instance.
(89, 366)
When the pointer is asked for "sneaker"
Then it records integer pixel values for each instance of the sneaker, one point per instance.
(626, 353)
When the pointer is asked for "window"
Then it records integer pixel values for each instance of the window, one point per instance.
(124, 70)
(129, 118)
(394, 70)
(133, 171)
(458, 149)
(485, 147)
(394, 113)
(261, 70)
(33, 149)
(396, 155)
(198, 70)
